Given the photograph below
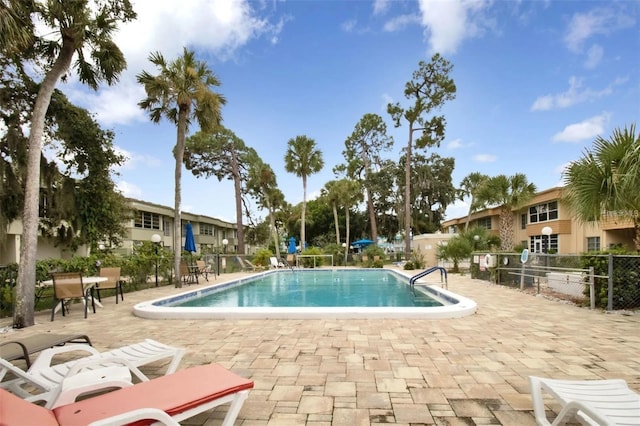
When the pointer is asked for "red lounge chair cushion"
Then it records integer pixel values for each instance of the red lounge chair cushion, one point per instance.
(15, 411)
(173, 394)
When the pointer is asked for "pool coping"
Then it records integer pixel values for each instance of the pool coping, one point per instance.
(461, 307)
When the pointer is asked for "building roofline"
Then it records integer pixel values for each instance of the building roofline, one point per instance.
(184, 214)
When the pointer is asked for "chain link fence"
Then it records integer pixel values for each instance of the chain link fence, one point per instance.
(604, 281)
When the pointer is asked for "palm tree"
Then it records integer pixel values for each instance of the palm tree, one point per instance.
(468, 188)
(605, 180)
(181, 92)
(303, 159)
(509, 193)
(82, 31)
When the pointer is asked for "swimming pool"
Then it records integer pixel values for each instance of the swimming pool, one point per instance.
(312, 293)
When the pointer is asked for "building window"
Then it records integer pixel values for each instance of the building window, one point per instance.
(206, 229)
(543, 212)
(523, 221)
(484, 222)
(593, 243)
(146, 220)
(166, 225)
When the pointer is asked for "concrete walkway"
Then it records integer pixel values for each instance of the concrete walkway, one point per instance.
(466, 371)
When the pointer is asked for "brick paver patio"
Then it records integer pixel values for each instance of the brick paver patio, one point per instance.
(466, 371)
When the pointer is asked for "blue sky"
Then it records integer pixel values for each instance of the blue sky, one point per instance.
(537, 82)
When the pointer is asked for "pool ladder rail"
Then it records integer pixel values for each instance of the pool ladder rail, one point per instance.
(286, 264)
(443, 277)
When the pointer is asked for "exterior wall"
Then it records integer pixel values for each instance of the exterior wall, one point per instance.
(204, 243)
(427, 246)
(10, 251)
(572, 235)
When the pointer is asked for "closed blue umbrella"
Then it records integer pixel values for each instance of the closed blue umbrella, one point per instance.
(189, 239)
(292, 246)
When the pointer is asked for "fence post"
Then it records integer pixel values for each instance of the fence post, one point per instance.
(610, 281)
(592, 287)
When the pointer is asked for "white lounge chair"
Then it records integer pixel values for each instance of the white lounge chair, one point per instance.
(592, 402)
(46, 377)
(273, 262)
(168, 399)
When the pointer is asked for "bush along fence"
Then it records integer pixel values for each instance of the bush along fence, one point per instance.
(602, 280)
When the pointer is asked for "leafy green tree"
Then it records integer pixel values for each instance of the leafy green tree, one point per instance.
(432, 192)
(263, 186)
(319, 222)
(352, 191)
(606, 180)
(303, 158)
(509, 194)
(387, 184)
(363, 155)
(95, 209)
(181, 92)
(331, 192)
(83, 29)
(224, 155)
(468, 188)
(429, 88)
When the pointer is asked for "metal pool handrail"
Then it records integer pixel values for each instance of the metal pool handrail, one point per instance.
(443, 272)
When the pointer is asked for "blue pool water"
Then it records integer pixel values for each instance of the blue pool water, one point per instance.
(313, 293)
(317, 288)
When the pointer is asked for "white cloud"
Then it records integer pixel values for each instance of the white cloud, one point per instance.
(217, 27)
(401, 22)
(594, 56)
(574, 95)
(134, 160)
(128, 189)
(380, 7)
(595, 22)
(448, 23)
(349, 26)
(459, 208)
(585, 130)
(485, 158)
(455, 144)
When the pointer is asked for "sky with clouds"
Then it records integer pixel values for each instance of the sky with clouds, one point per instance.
(537, 82)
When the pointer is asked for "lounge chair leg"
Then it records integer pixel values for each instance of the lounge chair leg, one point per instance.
(235, 407)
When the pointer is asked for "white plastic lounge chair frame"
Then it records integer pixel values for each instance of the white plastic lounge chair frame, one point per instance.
(168, 399)
(47, 377)
(593, 402)
(273, 261)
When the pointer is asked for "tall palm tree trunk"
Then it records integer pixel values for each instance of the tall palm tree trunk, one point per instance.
(346, 247)
(303, 243)
(177, 224)
(26, 284)
(335, 222)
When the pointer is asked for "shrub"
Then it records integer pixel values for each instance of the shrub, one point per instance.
(262, 257)
(308, 262)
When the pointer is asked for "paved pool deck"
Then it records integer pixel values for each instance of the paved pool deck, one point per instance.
(463, 371)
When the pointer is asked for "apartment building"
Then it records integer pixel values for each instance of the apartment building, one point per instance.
(146, 220)
(546, 223)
